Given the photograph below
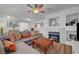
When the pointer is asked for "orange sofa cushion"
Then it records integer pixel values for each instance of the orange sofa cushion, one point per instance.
(16, 34)
(11, 46)
(26, 35)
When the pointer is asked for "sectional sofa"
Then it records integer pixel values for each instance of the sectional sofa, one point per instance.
(19, 42)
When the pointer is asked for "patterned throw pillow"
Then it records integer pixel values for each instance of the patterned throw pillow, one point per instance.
(34, 33)
(25, 34)
(11, 37)
(37, 32)
(2, 51)
(5, 36)
(17, 35)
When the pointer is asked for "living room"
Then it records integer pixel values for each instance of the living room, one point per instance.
(55, 22)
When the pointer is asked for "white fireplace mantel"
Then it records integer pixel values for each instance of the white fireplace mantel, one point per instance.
(46, 30)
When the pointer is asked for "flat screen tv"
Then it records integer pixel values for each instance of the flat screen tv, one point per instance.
(77, 31)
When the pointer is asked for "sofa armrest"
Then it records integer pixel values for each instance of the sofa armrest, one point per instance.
(31, 38)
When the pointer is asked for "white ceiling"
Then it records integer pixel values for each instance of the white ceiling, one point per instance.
(20, 10)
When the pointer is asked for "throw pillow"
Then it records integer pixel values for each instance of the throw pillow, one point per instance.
(10, 45)
(34, 33)
(2, 51)
(17, 35)
(11, 37)
(5, 36)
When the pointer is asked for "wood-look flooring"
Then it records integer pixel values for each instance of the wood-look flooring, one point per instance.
(58, 48)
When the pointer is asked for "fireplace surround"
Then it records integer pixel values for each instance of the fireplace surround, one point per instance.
(55, 36)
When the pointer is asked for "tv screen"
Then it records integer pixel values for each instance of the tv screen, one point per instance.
(78, 31)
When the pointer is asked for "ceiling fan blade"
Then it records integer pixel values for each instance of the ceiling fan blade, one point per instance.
(42, 11)
(36, 5)
(29, 11)
(40, 6)
(29, 5)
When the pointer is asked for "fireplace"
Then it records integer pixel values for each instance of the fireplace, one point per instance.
(55, 36)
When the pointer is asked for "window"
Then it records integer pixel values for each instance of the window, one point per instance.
(23, 26)
(38, 25)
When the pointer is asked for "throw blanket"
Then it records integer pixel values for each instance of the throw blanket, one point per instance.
(10, 45)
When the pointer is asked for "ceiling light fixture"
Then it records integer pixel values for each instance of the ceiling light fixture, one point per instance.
(37, 8)
(36, 11)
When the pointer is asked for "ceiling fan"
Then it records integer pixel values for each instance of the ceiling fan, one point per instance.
(37, 8)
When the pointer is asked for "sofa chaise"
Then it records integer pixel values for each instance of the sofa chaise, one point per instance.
(22, 48)
(20, 42)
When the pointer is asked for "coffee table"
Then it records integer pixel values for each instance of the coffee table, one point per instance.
(42, 43)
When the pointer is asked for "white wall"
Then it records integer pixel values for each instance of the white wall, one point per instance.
(62, 22)
(32, 24)
(23, 26)
(62, 28)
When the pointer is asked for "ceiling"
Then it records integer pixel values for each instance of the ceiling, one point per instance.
(20, 10)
